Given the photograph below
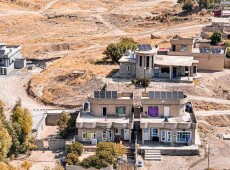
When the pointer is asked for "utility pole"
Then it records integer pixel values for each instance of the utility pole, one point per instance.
(135, 156)
(208, 155)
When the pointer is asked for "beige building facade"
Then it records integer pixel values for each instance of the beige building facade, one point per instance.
(167, 119)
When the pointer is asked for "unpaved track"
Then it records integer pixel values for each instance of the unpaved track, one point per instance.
(208, 99)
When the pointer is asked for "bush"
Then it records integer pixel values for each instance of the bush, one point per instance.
(116, 50)
(187, 5)
(113, 148)
(145, 82)
(75, 148)
(216, 37)
(72, 159)
(94, 161)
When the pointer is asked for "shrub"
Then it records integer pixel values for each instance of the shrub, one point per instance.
(94, 161)
(75, 148)
(113, 148)
(216, 37)
(145, 82)
(116, 50)
(72, 159)
(187, 5)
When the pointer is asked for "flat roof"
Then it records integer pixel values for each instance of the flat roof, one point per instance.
(220, 20)
(169, 60)
(186, 118)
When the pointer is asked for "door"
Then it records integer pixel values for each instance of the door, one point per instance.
(126, 134)
(104, 111)
(146, 134)
(166, 111)
(104, 136)
(174, 72)
(169, 136)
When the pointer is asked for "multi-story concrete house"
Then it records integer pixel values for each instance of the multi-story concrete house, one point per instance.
(10, 58)
(144, 62)
(218, 24)
(166, 119)
(209, 57)
(106, 116)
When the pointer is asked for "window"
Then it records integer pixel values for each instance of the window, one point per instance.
(140, 62)
(88, 135)
(104, 111)
(110, 135)
(117, 131)
(169, 136)
(154, 132)
(184, 47)
(173, 47)
(183, 137)
(120, 110)
(147, 61)
(194, 69)
(128, 67)
(104, 136)
(163, 135)
(164, 69)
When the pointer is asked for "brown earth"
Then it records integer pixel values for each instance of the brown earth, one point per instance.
(79, 31)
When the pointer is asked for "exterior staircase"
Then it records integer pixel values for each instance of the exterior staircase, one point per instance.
(152, 154)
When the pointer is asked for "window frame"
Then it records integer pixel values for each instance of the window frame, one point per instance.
(140, 61)
(147, 61)
(180, 141)
(103, 111)
(121, 107)
(164, 135)
(117, 131)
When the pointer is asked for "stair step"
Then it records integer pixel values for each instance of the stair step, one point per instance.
(152, 154)
(154, 159)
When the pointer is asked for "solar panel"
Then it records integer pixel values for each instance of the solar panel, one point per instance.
(108, 94)
(97, 94)
(151, 95)
(163, 95)
(114, 94)
(144, 47)
(157, 95)
(166, 95)
(102, 94)
(169, 95)
(174, 95)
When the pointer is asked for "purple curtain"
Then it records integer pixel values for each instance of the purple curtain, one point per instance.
(153, 111)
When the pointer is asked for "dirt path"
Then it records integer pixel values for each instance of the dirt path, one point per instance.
(209, 99)
(212, 112)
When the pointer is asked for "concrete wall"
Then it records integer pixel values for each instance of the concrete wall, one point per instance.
(52, 118)
(39, 144)
(140, 69)
(56, 144)
(98, 134)
(212, 62)
(173, 133)
(227, 63)
(97, 105)
(75, 167)
(180, 152)
(125, 72)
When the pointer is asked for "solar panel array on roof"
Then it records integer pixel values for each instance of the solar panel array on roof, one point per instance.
(105, 94)
(210, 50)
(144, 47)
(166, 95)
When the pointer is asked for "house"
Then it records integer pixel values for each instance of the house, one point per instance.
(145, 62)
(210, 58)
(10, 58)
(106, 116)
(167, 118)
(218, 24)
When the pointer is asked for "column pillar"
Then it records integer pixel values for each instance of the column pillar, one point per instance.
(189, 72)
(130, 135)
(170, 72)
(143, 141)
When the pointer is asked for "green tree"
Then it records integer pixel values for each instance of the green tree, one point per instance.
(5, 142)
(187, 5)
(75, 148)
(216, 37)
(113, 148)
(62, 123)
(106, 156)
(72, 159)
(115, 50)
